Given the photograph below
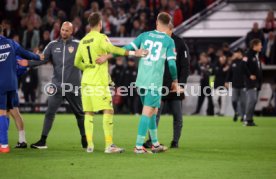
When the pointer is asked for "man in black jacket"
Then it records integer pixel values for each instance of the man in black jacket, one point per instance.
(220, 71)
(204, 69)
(253, 80)
(130, 74)
(235, 76)
(173, 100)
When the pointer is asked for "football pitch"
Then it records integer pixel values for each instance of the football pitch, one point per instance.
(210, 147)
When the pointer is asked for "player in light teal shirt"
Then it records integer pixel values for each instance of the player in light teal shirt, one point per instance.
(160, 47)
(151, 68)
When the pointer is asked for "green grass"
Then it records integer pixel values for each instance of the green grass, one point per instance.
(210, 147)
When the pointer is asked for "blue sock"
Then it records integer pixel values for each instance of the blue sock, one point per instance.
(4, 125)
(142, 130)
(153, 129)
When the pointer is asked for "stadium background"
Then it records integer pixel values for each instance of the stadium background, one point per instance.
(214, 27)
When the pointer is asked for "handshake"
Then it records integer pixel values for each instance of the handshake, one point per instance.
(25, 63)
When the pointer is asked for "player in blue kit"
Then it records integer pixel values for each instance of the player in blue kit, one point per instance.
(8, 82)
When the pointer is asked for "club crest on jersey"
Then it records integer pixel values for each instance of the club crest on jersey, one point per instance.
(4, 56)
(71, 49)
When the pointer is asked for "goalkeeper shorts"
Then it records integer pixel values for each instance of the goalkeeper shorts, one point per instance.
(96, 98)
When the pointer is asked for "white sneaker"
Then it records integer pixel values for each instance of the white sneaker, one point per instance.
(143, 150)
(90, 149)
(113, 149)
(159, 148)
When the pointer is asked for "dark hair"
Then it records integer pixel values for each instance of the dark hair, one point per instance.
(164, 18)
(254, 42)
(94, 19)
(1, 29)
(239, 50)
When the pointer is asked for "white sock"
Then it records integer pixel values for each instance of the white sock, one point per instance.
(4, 146)
(22, 136)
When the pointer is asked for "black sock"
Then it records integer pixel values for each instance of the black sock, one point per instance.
(43, 138)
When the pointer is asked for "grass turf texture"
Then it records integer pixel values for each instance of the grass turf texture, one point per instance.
(210, 147)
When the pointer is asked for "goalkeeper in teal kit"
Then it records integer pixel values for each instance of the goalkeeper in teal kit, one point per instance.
(160, 47)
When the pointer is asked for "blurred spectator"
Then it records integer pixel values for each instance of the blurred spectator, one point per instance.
(235, 76)
(32, 18)
(136, 29)
(48, 20)
(142, 8)
(220, 97)
(269, 23)
(175, 12)
(120, 20)
(268, 47)
(130, 74)
(54, 8)
(273, 54)
(255, 33)
(61, 16)
(8, 30)
(117, 76)
(212, 55)
(163, 6)
(11, 9)
(185, 9)
(226, 50)
(94, 7)
(37, 5)
(55, 31)
(66, 6)
(77, 9)
(29, 85)
(78, 31)
(30, 38)
(132, 16)
(45, 40)
(143, 21)
(117, 73)
(122, 31)
(204, 71)
(108, 28)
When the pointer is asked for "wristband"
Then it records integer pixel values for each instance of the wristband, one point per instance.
(131, 53)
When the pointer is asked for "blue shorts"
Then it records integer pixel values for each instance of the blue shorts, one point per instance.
(9, 100)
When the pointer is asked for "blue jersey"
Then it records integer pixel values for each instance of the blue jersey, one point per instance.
(20, 70)
(8, 63)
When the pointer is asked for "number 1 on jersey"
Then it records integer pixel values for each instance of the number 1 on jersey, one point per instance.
(89, 55)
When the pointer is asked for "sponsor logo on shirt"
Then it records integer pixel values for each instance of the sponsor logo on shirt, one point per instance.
(4, 56)
(5, 46)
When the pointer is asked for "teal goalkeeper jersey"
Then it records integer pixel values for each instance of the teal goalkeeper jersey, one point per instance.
(161, 47)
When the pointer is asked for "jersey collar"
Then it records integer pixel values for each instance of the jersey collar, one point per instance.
(160, 32)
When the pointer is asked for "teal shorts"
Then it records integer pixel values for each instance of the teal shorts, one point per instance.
(149, 97)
